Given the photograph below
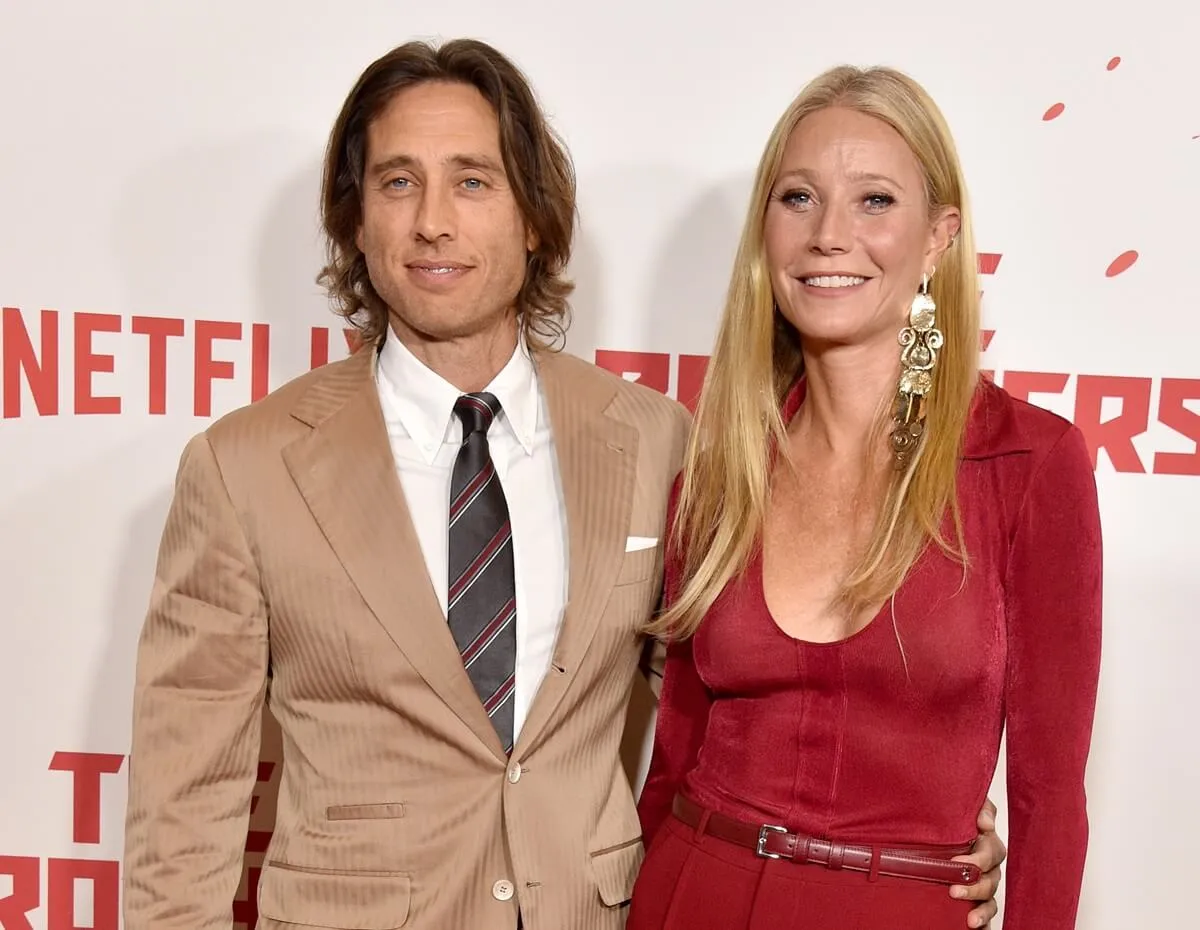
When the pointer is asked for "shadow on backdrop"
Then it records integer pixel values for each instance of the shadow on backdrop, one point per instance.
(686, 295)
(586, 270)
(668, 299)
(675, 311)
(135, 536)
(288, 255)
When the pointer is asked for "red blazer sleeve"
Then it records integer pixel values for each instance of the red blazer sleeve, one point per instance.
(1053, 609)
(682, 711)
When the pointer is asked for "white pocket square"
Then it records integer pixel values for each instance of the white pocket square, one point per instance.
(638, 543)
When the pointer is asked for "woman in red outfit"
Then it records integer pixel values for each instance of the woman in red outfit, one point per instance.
(878, 561)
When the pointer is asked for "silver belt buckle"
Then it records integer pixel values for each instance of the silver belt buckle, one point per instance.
(761, 848)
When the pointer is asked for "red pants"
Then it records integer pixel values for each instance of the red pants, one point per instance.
(702, 883)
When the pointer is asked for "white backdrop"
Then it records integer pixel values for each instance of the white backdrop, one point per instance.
(159, 168)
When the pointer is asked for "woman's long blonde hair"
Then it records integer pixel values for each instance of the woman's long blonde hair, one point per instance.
(756, 361)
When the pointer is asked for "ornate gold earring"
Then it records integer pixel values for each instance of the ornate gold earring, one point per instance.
(920, 341)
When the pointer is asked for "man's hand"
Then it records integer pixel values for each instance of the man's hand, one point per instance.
(988, 855)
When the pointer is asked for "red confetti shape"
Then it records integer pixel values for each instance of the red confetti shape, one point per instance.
(1054, 112)
(1113, 62)
(1122, 262)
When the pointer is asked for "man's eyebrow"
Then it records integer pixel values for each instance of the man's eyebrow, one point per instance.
(464, 160)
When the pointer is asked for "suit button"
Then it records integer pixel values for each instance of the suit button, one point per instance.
(502, 890)
(514, 773)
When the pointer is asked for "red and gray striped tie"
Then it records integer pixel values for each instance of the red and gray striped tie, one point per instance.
(481, 600)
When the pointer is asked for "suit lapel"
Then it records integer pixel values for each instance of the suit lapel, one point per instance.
(345, 471)
(597, 463)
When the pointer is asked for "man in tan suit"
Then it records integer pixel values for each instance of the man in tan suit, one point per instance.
(431, 559)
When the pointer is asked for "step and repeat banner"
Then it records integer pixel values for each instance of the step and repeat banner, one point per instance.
(159, 171)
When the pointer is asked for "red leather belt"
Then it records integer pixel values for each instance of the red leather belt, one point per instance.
(775, 842)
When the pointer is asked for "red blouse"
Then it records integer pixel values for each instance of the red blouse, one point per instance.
(844, 740)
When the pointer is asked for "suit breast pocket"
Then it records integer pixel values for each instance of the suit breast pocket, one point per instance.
(640, 565)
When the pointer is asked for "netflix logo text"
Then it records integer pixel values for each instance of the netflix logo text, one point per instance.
(37, 375)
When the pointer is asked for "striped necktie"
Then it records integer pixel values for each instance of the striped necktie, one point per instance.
(481, 598)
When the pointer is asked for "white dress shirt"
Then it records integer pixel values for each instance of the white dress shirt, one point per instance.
(425, 436)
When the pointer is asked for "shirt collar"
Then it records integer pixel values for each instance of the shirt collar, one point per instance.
(422, 401)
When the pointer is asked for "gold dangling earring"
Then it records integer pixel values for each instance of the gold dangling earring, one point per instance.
(920, 341)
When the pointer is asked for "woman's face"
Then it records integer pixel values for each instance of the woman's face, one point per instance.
(848, 231)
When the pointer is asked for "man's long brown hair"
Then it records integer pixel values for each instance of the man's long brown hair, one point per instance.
(537, 163)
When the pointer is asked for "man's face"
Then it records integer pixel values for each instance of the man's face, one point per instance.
(443, 237)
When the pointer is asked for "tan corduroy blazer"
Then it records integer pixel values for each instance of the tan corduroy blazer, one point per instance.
(290, 572)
